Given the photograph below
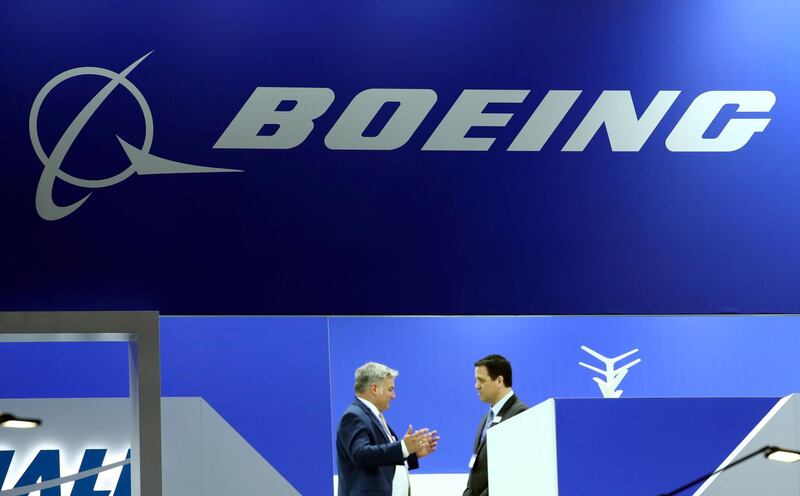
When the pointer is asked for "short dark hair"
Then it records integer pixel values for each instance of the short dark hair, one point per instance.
(496, 365)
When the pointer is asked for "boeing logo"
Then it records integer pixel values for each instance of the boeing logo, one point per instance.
(614, 109)
(142, 162)
(289, 114)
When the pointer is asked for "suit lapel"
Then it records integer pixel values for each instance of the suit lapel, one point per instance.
(511, 401)
(376, 421)
(478, 441)
(481, 443)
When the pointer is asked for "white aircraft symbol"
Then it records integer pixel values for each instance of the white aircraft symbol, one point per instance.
(613, 377)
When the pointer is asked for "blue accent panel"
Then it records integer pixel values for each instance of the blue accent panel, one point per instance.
(267, 377)
(647, 446)
(45, 466)
(64, 370)
(316, 231)
(92, 458)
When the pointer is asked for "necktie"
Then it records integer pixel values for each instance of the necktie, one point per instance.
(489, 420)
(401, 486)
(386, 427)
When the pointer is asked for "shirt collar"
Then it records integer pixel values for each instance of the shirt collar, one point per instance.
(372, 408)
(499, 405)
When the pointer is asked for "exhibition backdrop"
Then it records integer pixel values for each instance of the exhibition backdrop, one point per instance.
(358, 158)
(410, 157)
(282, 383)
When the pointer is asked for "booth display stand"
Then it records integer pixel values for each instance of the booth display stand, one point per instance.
(640, 447)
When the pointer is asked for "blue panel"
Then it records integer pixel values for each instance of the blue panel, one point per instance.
(267, 377)
(681, 356)
(317, 231)
(252, 370)
(647, 446)
(63, 370)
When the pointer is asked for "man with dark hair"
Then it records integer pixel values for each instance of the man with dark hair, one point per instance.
(493, 383)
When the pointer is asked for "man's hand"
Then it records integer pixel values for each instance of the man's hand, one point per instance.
(414, 439)
(421, 442)
(429, 444)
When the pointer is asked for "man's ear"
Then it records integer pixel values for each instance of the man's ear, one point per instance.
(501, 379)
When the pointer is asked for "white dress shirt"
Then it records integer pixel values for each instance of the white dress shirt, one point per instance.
(499, 405)
(400, 483)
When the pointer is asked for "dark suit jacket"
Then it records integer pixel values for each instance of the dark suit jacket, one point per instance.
(365, 456)
(478, 482)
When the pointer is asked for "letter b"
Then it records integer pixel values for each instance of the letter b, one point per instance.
(294, 125)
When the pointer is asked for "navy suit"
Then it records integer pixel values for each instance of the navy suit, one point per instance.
(364, 454)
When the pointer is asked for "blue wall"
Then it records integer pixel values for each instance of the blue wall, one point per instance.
(286, 381)
(316, 231)
(681, 356)
(267, 377)
(646, 446)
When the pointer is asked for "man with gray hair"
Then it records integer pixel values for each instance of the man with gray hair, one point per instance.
(370, 457)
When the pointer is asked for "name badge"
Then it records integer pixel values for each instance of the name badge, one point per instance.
(472, 461)
(497, 420)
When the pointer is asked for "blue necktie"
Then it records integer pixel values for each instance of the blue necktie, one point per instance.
(489, 420)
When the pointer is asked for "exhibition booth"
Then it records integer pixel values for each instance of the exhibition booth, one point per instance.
(214, 212)
(261, 406)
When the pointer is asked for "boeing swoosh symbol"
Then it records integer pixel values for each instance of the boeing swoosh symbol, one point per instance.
(142, 161)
